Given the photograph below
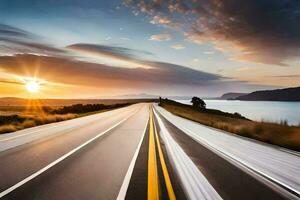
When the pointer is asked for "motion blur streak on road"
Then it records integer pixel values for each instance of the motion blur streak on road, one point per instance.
(279, 167)
(194, 182)
(166, 175)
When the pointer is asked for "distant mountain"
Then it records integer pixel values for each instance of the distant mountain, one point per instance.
(15, 101)
(147, 96)
(287, 94)
(226, 96)
(232, 95)
(136, 96)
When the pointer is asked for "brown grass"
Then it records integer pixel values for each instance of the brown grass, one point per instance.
(32, 121)
(277, 134)
(26, 116)
(8, 128)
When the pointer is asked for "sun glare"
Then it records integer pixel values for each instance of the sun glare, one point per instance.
(33, 86)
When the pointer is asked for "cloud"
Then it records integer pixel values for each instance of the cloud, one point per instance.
(173, 72)
(68, 71)
(11, 81)
(110, 51)
(160, 20)
(178, 46)
(14, 41)
(208, 52)
(262, 31)
(25, 54)
(244, 69)
(288, 76)
(161, 37)
(124, 38)
(10, 31)
(160, 77)
(196, 60)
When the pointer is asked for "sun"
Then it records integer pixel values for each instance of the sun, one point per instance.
(32, 86)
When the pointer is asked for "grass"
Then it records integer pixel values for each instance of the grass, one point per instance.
(15, 118)
(19, 122)
(272, 133)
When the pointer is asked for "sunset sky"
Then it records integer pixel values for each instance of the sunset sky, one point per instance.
(97, 48)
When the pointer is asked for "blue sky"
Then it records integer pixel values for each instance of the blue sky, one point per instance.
(168, 34)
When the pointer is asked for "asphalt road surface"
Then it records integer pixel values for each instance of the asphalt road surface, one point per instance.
(142, 152)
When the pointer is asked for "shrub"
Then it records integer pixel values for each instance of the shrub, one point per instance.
(80, 108)
(11, 119)
(28, 123)
(198, 103)
(8, 128)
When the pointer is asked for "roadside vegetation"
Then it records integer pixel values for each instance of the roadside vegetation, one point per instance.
(272, 133)
(17, 122)
(18, 117)
(80, 108)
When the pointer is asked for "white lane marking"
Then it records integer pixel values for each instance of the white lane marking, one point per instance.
(239, 162)
(124, 187)
(12, 188)
(51, 126)
(194, 182)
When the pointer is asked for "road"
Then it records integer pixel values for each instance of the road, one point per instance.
(142, 152)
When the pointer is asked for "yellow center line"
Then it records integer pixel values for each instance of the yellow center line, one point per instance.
(153, 192)
(164, 168)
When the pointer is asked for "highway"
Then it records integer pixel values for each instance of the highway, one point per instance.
(142, 152)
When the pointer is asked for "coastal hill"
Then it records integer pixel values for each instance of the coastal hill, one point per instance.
(231, 95)
(286, 94)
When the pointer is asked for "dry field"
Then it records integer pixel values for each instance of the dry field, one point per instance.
(13, 118)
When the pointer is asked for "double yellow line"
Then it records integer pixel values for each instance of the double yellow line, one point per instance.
(153, 180)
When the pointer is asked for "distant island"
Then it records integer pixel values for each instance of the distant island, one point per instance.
(286, 94)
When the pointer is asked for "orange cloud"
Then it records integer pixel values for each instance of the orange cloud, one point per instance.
(161, 37)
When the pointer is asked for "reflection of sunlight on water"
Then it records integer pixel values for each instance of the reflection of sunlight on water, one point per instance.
(272, 111)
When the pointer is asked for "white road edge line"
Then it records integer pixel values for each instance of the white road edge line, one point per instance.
(12, 188)
(124, 187)
(194, 183)
(239, 163)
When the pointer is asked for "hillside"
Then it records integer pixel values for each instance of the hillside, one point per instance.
(231, 95)
(287, 94)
